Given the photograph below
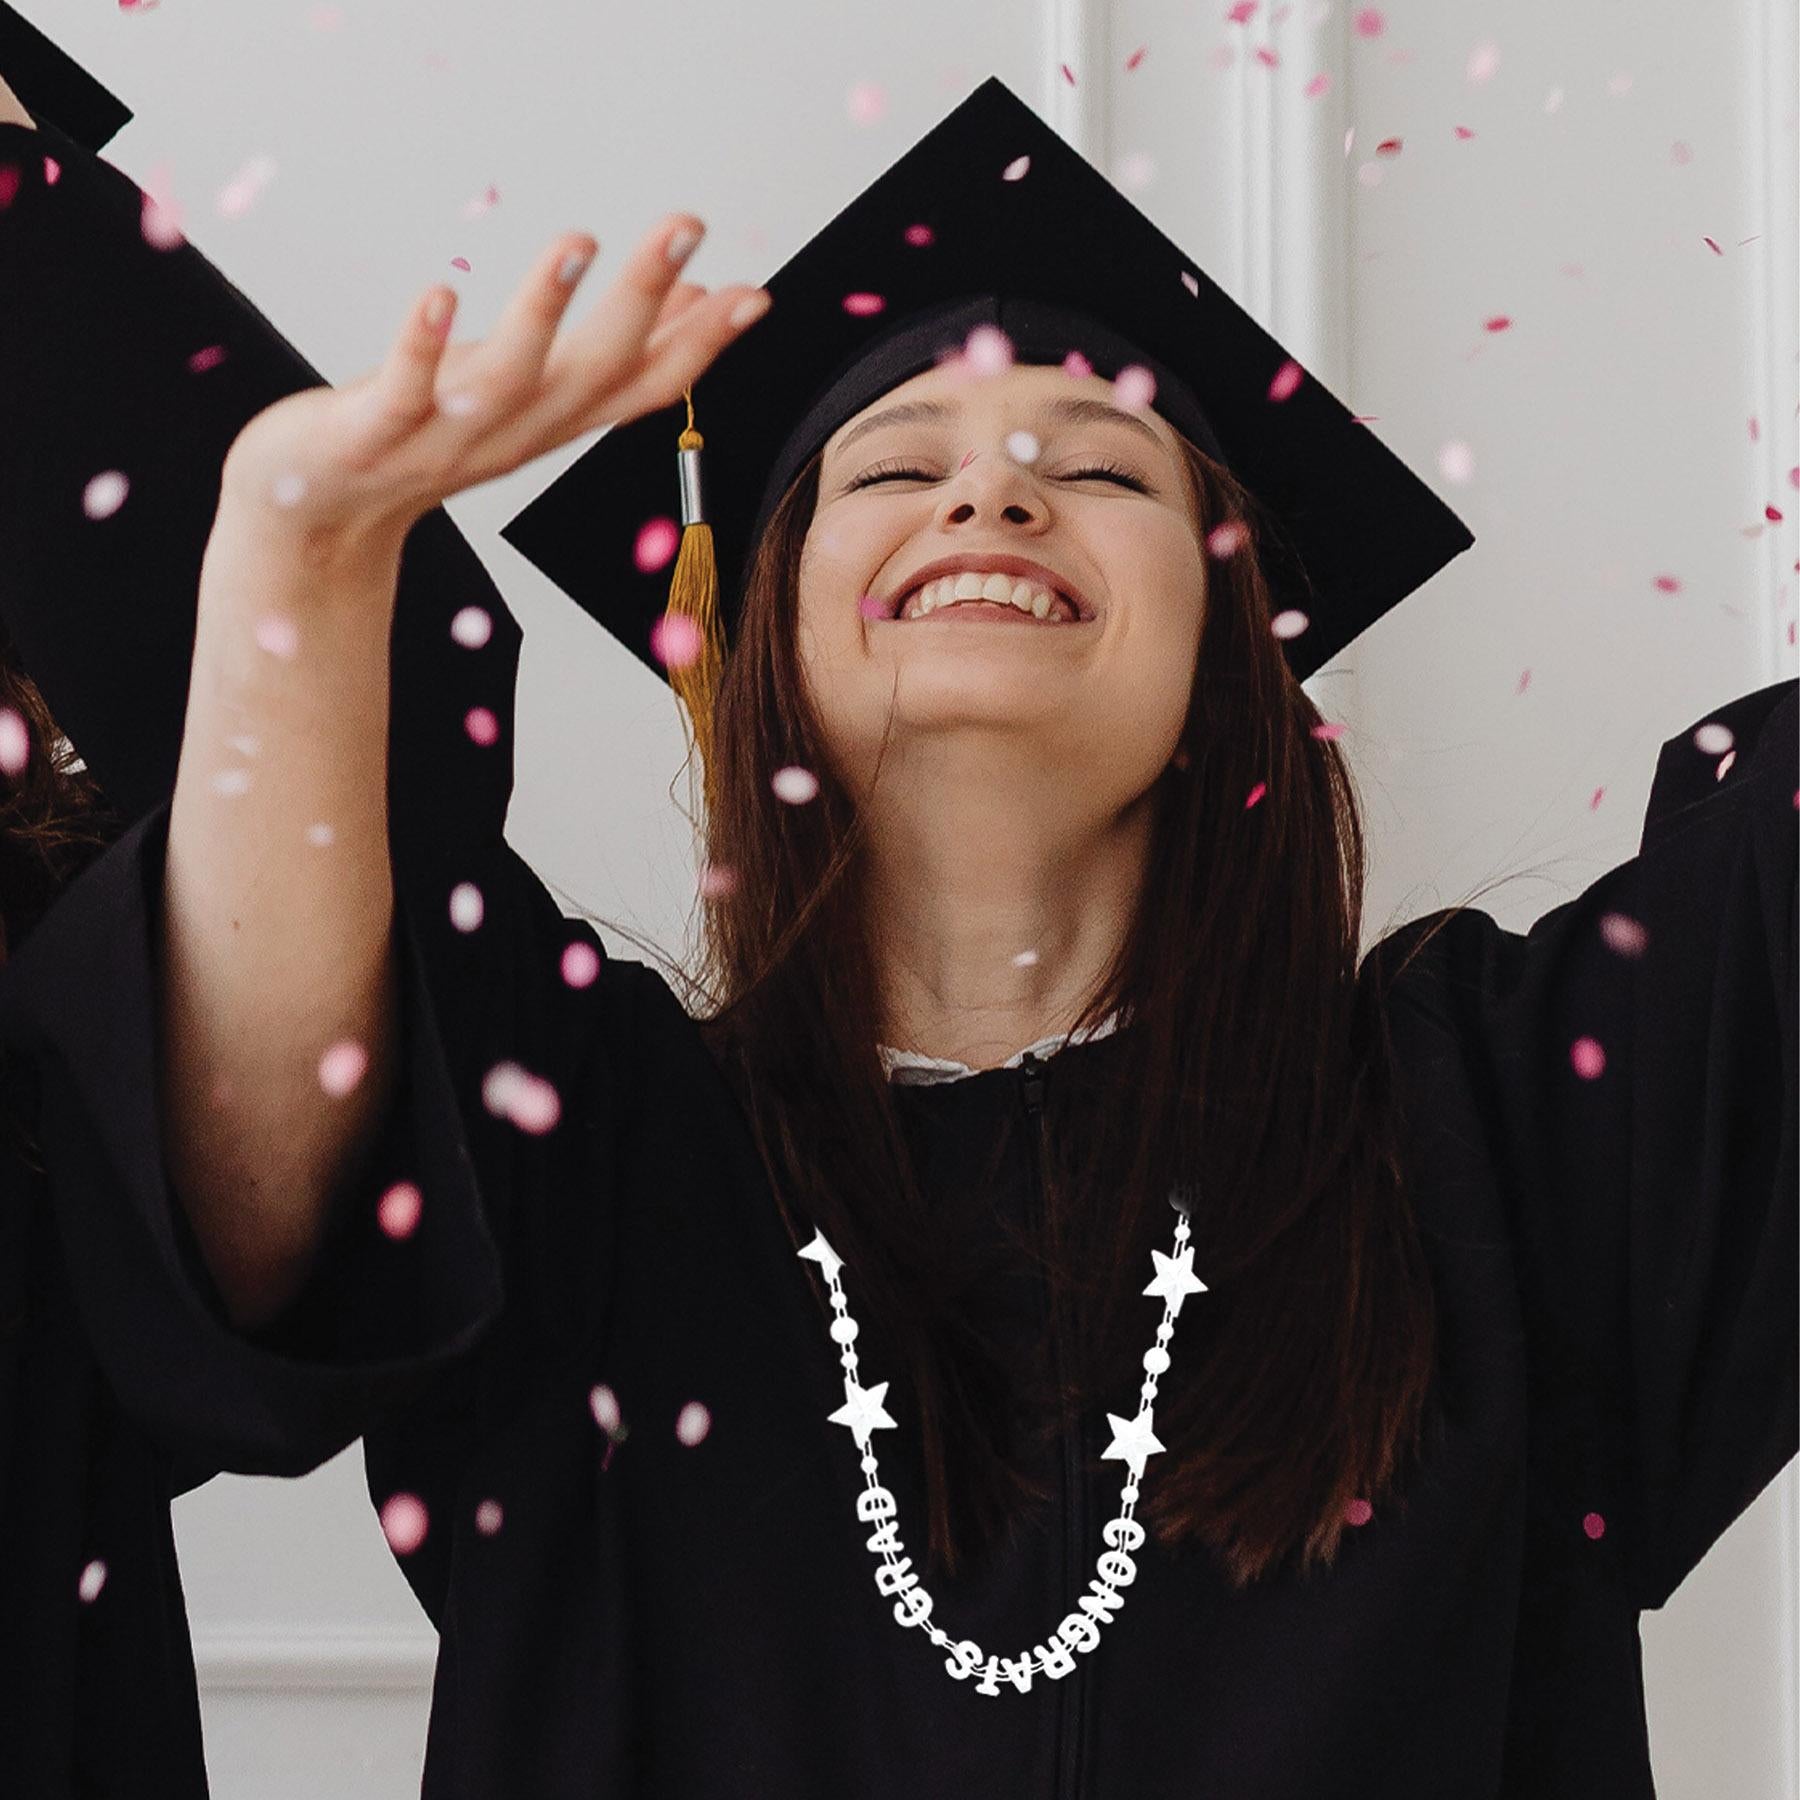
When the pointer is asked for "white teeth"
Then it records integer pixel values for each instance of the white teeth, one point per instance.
(972, 585)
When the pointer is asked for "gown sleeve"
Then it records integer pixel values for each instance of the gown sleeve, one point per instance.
(1631, 1064)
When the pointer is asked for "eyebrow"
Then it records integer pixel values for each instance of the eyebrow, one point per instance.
(1069, 410)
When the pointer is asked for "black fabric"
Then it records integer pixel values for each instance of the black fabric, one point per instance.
(51, 84)
(1356, 529)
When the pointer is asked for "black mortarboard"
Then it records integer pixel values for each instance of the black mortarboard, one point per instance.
(991, 218)
(53, 86)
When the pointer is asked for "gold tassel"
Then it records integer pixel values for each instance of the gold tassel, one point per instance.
(694, 594)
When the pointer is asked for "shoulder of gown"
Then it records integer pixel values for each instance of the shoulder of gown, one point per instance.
(1628, 1067)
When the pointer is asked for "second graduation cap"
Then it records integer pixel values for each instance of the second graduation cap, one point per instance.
(991, 218)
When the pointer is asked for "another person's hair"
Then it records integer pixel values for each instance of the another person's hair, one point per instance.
(1254, 1075)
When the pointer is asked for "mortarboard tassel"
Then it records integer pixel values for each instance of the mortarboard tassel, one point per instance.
(694, 594)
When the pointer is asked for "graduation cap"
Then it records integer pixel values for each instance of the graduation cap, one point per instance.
(52, 85)
(990, 219)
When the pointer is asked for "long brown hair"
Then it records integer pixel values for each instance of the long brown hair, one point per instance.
(1255, 1077)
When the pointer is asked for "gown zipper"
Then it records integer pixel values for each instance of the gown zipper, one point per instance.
(1068, 1693)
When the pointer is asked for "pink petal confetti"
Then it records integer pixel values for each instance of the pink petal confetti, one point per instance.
(245, 188)
(1595, 798)
(1773, 514)
(1221, 57)
(872, 606)
(987, 350)
(1134, 388)
(1017, 169)
(404, 1523)
(1484, 60)
(1267, 57)
(1242, 12)
(1358, 1512)
(278, 635)
(1587, 1058)
(919, 236)
(794, 784)
(1255, 794)
(1320, 84)
(1712, 245)
(1724, 767)
(657, 541)
(1794, 476)
(472, 627)
(692, 1423)
(1136, 171)
(490, 1515)
(482, 203)
(321, 836)
(342, 1066)
(1680, 153)
(716, 880)
(866, 102)
(1289, 624)
(1068, 74)
(1669, 584)
(1464, 133)
(1456, 461)
(1369, 22)
(209, 358)
(1077, 365)
(15, 742)
(1524, 681)
(93, 1579)
(10, 177)
(1285, 380)
(460, 262)
(160, 218)
(864, 306)
(1388, 147)
(676, 641)
(1328, 733)
(1191, 283)
(1136, 57)
(481, 725)
(528, 1101)
(105, 494)
(580, 964)
(1713, 738)
(1499, 322)
(52, 171)
(1622, 934)
(467, 906)
(603, 1403)
(397, 1211)
(1370, 174)
(1227, 539)
(1594, 1525)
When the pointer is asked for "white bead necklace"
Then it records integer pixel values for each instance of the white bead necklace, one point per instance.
(1133, 1443)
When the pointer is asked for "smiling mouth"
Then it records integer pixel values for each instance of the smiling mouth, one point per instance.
(999, 612)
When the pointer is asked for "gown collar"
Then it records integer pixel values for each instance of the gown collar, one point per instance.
(912, 1068)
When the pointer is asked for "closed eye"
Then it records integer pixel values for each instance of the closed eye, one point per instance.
(1106, 471)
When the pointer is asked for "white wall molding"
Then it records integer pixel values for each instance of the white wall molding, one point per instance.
(1078, 32)
(294, 1659)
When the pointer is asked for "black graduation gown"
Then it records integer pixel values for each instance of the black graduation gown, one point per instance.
(1615, 1262)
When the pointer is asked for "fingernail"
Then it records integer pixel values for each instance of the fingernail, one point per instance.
(681, 246)
(570, 269)
(750, 308)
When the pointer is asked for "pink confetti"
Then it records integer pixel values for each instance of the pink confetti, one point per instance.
(467, 906)
(1136, 57)
(93, 1579)
(676, 640)
(1358, 1512)
(1622, 934)
(603, 1403)
(1369, 22)
(1320, 84)
(52, 171)
(1713, 738)
(105, 494)
(209, 358)
(1328, 733)
(1286, 379)
(15, 742)
(794, 784)
(580, 964)
(460, 262)
(1191, 283)
(1587, 1058)
(692, 1423)
(1524, 681)
(1289, 624)
(472, 627)
(657, 541)
(1068, 74)
(482, 203)
(245, 188)
(1794, 476)
(1255, 794)
(1227, 539)
(404, 1523)
(342, 1066)
(919, 236)
(1267, 57)
(1134, 388)
(987, 350)
(1456, 461)
(1772, 514)
(528, 1101)
(1669, 584)
(1242, 12)
(1499, 322)
(490, 1515)
(1680, 153)
(481, 725)
(1484, 60)
(1077, 365)
(872, 606)
(160, 219)
(863, 306)
(866, 102)
(325, 18)
(1595, 798)
(397, 1212)
(1724, 767)
(1388, 147)
(717, 880)
(1017, 169)
(10, 177)
(1594, 1526)
(278, 635)
(1712, 245)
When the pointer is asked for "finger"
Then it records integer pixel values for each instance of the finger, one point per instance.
(510, 363)
(401, 395)
(567, 376)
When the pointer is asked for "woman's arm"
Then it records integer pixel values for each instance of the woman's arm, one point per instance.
(11, 111)
(277, 998)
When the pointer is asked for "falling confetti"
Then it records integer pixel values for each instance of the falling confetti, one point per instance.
(1068, 74)
(603, 1403)
(1524, 681)
(482, 203)
(866, 102)
(1595, 798)
(15, 742)
(209, 358)
(1499, 322)
(1227, 539)
(342, 1066)
(1017, 169)
(1669, 584)
(1022, 447)
(490, 1515)
(716, 880)
(10, 177)
(1289, 623)
(1191, 283)
(1456, 461)
(105, 494)
(397, 1212)
(1320, 84)
(1077, 365)
(1267, 57)
(467, 907)
(675, 640)
(1620, 84)
(1587, 1058)
(1285, 380)
(1594, 1525)
(580, 964)
(1484, 60)
(160, 218)
(472, 627)
(1136, 57)
(232, 784)
(794, 784)
(872, 606)
(278, 635)
(1369, 22)
(1622, 934)
(1724, 767)
(987, 350)
(1464, 133)
(245, 188)
(1712, 245)
(320, 836)
(1388, 147)
(1255, 794)
(693, 1423)
(1134, 388)
(920, 235)
(93, 1579)
(460, 262)
(288, 490)
(1242, 12)
(657, 542)
(1713, 738)
(528, 1101)
(481, 725)
(1680, 153)
(1328, 733)
(1358, 1512)
(864, 306)
(404, 1523)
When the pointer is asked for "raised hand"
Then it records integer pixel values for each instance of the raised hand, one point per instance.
(437, 418)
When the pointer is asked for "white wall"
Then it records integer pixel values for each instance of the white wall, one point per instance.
(1609, 430)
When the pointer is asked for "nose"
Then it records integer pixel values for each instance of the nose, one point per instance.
(996, 486)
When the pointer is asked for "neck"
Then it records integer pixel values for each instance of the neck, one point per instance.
(965, 877)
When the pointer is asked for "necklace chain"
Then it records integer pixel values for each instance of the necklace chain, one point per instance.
(1133, 1443)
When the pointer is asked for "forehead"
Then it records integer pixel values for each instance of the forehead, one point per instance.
(1024, 395)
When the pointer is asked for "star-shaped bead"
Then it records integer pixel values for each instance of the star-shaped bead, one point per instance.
(1175, 1278)
(822, 1253)
(1133, 1441)
(862, 1410)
